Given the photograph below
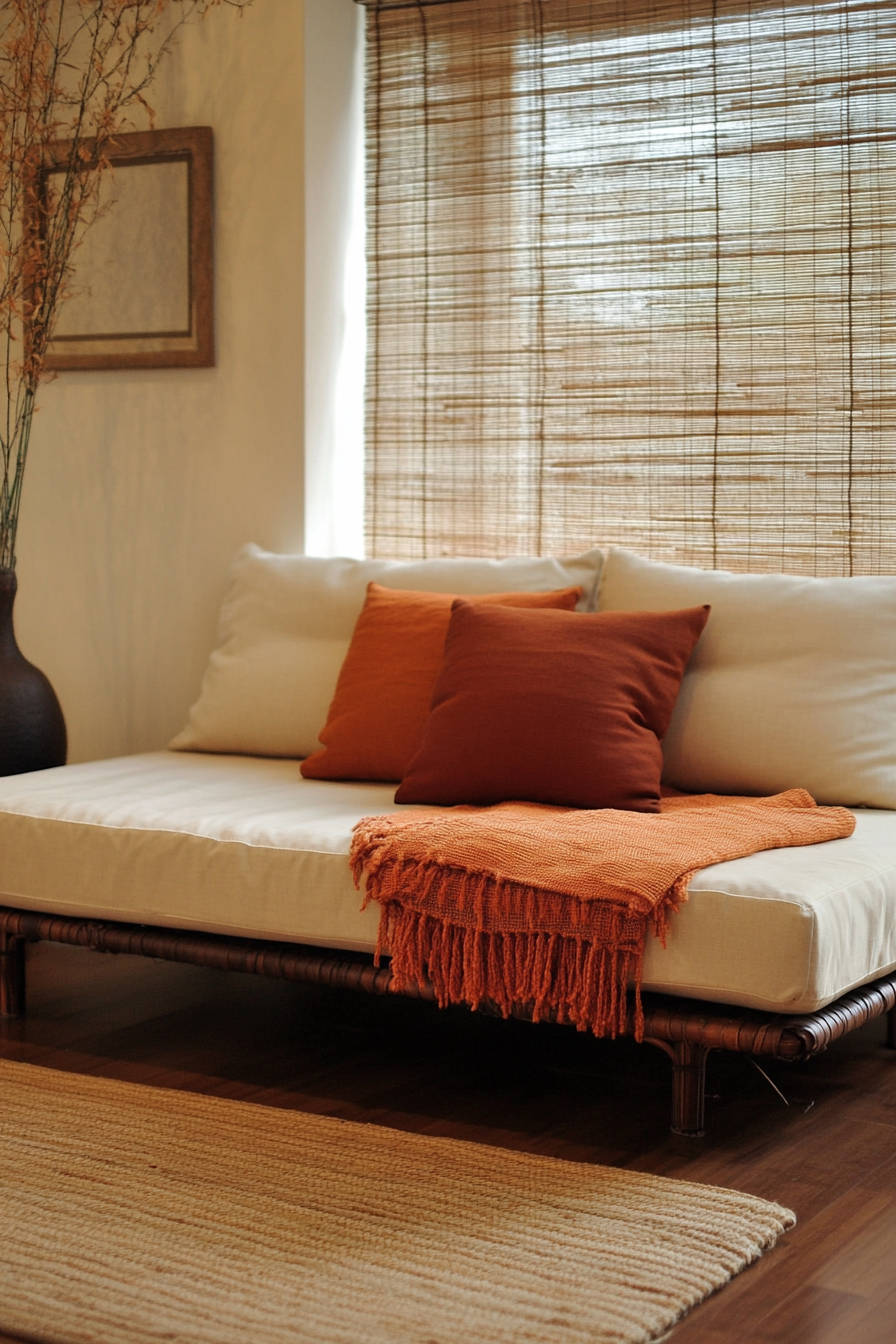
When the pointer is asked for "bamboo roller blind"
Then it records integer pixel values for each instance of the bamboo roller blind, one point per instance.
(632, 277)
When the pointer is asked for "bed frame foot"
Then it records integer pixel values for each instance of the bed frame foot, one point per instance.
(891, 1028)
(12, 975)
(688, 1084)
(688, 1088)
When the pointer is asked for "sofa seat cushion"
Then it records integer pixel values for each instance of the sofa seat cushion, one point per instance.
(243, 845)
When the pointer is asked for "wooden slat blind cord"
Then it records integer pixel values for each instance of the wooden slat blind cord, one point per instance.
(631, 269)
(426, 407)
(717, 291)
(539, 434)
(846, 136)
(374, 170)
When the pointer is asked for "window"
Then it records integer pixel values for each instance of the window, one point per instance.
(632, 275)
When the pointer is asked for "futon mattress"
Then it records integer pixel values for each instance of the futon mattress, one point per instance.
(243, 845)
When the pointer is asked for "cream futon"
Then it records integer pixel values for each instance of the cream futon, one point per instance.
(244, 846)
(792, 685)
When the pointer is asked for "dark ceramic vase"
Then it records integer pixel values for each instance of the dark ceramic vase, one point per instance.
(32, 729)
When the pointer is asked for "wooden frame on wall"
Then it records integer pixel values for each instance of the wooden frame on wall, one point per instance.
(143, 282)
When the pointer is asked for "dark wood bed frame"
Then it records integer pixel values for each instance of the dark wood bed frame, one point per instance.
(686, 1029)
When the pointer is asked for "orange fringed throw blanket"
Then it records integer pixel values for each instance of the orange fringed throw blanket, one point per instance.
(550, 907)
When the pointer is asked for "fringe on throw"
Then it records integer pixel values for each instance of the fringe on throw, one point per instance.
(479, 939)
(546, 910)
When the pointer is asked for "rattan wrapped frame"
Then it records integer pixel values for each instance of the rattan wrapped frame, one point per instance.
(686, 1029)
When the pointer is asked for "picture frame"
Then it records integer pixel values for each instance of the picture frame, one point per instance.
(143, 284)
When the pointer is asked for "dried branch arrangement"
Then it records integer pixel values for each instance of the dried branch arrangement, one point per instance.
(73, 74)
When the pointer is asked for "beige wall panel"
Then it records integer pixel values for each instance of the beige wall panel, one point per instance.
(142, 484)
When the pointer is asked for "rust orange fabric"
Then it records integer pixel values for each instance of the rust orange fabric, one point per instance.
(524, 904)
(556, 707)
(378, 716)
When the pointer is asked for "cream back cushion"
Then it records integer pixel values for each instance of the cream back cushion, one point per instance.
(793, 683)
(285, 628)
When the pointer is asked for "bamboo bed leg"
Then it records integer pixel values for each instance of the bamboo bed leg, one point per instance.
(688, 1088)
(891, 1028)
(12, 975)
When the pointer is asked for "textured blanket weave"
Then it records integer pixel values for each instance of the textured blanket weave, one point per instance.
(547, 907)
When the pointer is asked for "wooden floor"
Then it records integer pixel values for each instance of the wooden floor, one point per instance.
(830, 1155)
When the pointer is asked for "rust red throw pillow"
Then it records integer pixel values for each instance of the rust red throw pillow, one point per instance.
(379, 711)
(552, 707)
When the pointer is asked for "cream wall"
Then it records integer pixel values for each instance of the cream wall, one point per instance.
(142, 484)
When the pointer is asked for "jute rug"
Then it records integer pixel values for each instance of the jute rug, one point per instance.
(131, 1214)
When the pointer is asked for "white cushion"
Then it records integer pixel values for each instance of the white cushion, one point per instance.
(286, 624)
(240, 845)
(793, 683)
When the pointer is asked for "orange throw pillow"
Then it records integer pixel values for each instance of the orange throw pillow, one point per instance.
(384, 691)
(547, 707)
